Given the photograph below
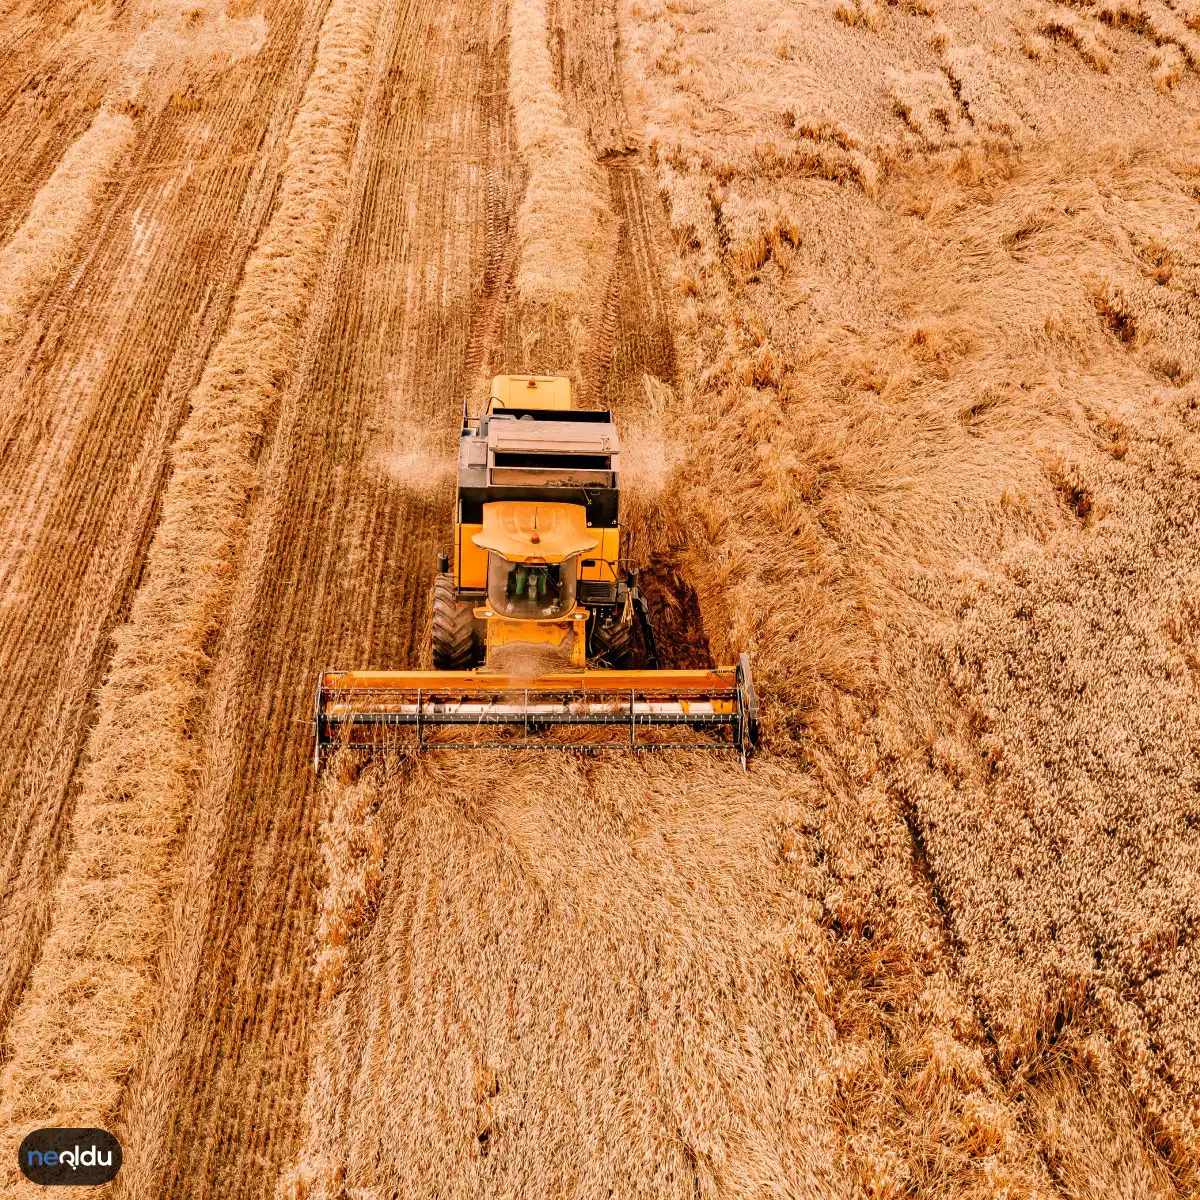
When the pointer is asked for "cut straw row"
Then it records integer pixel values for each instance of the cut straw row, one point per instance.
(565, 224)
(61, 209)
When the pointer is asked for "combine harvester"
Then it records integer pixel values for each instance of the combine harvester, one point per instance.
(535, 626)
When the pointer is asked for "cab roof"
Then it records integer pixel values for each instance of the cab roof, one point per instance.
(535, 531)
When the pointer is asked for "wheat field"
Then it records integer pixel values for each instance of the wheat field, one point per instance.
(898, 308)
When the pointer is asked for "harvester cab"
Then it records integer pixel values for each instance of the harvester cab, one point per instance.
(539, 637)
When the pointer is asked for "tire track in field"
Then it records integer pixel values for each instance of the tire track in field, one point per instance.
(585, 46)
(342, 563)
(631, 347)
(632, 321)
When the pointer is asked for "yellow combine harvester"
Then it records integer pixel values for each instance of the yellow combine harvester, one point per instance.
(540, 640)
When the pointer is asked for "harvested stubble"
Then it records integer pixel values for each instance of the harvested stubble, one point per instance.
(77, 1030)
(75, 64)
(96, 392)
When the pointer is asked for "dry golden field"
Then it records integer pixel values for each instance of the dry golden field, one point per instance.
(898, 304)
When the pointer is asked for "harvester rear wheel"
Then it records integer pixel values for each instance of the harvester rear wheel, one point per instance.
(613, 645)
(457, 645)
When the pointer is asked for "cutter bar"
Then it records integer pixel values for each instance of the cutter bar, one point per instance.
(575, 710)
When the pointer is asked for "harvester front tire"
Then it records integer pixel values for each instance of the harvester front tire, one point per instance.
(456, 642)
(613, 645)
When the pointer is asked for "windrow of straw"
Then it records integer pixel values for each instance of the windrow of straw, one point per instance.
(565, 227)
(27, 893)
(76, 1033)
(44, 243)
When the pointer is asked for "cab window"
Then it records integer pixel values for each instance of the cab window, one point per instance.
(531, 591)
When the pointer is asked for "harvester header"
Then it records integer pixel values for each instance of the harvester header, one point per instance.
(471, 710)
(540, 640)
